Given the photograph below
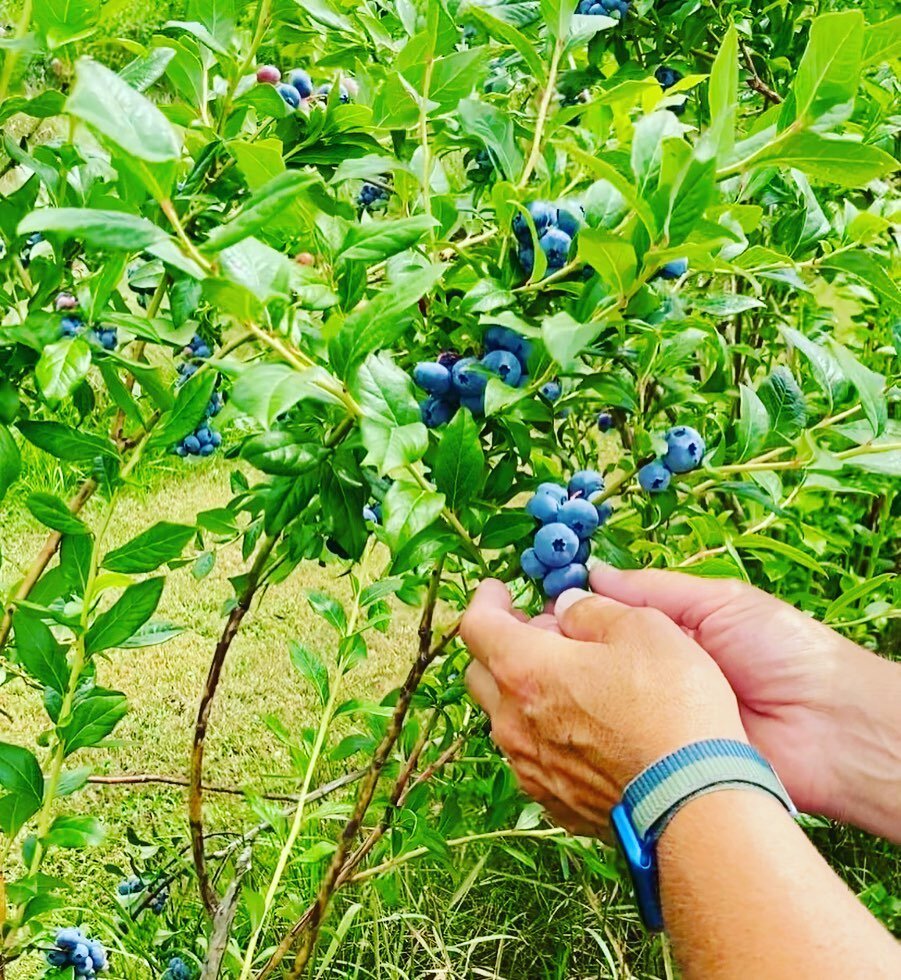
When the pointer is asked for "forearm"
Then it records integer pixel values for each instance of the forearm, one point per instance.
(745, 894)
(866, 750)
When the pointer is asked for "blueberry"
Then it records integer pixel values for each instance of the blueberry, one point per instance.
(70, 325)
(685, 450)
(605, 512)
(674, 270)
(667, 77)
(551, 391)
(502, 338)
(192, 444)
(570, 221)
(57, 957)
(505, 365)
(543, 216)
(475, 403)
(289, 94)
(69, 937)
(98, 954)
(468, 379)
(605, 422)
(555, 490)
(324, 90)
(80, 955)
(449, 358)
(370, 515)
(179, 451)
(215, 439)
(301, 81)
(556, 545)
(543, 507)
(268, 75)
(207, 450)
(561, 579)
(556, 245)
(531, 564)
(586, 484)
(581, 516)
(436, 411)
(526, 258)
(432, 377)
(204, 435)
(655, 477)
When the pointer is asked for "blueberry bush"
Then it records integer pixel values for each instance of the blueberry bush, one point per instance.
(471, 288)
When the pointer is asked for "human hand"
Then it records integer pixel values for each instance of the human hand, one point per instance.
(581, 709)
(815, 704)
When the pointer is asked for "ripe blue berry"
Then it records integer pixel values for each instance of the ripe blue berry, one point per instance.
(685, 450)
(501, 338)
(177, 970)
(289, 94)
(667, 76)
(468, 378)
(370, 515)
(207, 450)
(69, 326)
(586, 484)
(531, 564)
(543, 507)
(581, 516)
(674, 270)
(505, 365)
(324, 90)
(556, 545)
(302, 82)
(69, 937)
(655, 477)
(551, 391)
(556, 245)
(432, 377)
(605, 422)
(569, 219)
(192, 444)
(605, 512)
(583, 554)
(475, 403)
(555, 490)
(436, 411)
(215, 439)
(449, 358)
(560, 580)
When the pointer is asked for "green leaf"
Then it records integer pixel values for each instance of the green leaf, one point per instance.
(762, 543)
(459, 463)
(21, 777)
(557, 15)
(784, 401)
(94, 716)
(111, 106)
(62, 367)
(265, 206)
(125, 617)
(267, 391)
(328, 608)
(866, 267)
(753, 424)
(282, 453)
(39, 653)
(826, 369)
(74, 832)
(503, 31)
(829, 72)
(870, 386)
(309, 666)
(141, 73)
(153, 634)
(409, 509)
(494, 127)
(154, 547)
(391, 423)
(95, 228)
(605, 205)
(381, 239)
(651, 132)
(882, 41)
(566, 338)
(831, 159)
(61, 22)
(723, 96)
(378, 324)
(188, 411)
(53, 513)
(611, 256)
(64, 442)
(506, 528)
(10, 460)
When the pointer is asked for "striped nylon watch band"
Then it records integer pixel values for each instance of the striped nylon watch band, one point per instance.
(653, 798)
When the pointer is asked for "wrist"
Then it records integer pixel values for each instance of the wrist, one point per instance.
(865, 744)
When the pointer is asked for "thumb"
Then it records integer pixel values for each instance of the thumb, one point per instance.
(590, 618)
(686, 599)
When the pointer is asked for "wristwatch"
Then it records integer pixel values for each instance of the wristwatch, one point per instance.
(654, 797)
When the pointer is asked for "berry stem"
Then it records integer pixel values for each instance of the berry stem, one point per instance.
(543, 108)
(11, 57)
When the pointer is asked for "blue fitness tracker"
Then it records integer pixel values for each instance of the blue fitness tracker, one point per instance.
(654, 797)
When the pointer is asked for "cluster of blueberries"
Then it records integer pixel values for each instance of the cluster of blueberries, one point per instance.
(71, 325)
(134, 886)
(299, 88)
(373, 513)
(617, 9)
(373, 197)
(684, 453)
(569, 516)
(74, 949)
(204, 440)
(454, 381)
(177, 970)
(556, 227)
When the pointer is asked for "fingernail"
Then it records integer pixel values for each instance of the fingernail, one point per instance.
(569, 598)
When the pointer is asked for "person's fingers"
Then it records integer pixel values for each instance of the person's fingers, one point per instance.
(590, 618)
(687, 599)
(489, 623)
(546, 621)
(482, 687)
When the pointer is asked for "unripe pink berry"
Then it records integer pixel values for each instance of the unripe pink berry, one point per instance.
(66, 301)
(306, 258)
(268, 75)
